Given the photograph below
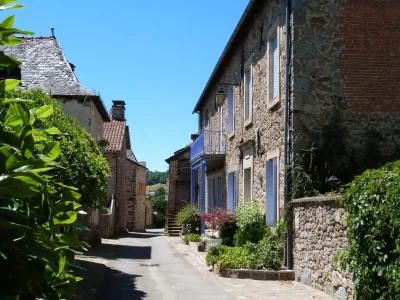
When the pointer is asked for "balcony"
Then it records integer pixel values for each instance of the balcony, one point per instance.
(209, 142)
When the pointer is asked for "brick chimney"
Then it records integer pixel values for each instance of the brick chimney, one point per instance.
(118, 110)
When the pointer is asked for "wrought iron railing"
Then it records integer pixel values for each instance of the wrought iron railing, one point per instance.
(208, 142)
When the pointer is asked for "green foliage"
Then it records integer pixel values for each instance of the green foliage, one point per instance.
(154, 177)
(373, 256)
(250, 224)
(233, 258)
(160, 192)
(227, 231)
(193, 237)
(159, 204)
(166, 231)
(188, 215)
(84, 165)
(160, 220)
(35, 257)
(214, 253)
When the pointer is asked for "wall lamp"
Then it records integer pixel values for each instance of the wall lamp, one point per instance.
(220, 95)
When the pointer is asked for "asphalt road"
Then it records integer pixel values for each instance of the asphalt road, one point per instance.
(143, 266)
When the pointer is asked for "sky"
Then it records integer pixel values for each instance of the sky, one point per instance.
(155, 55)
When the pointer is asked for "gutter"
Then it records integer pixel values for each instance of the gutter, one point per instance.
(225, 52)
(288, 235)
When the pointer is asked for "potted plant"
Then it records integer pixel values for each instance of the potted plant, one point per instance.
(189, 215)
(213, 220)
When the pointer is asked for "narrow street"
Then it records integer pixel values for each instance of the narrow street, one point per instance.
(150, 266)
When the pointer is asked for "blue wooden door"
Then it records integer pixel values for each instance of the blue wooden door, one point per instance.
(271, 192)
(218, 192)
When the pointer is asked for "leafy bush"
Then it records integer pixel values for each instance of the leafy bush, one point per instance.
(251, 224)
(193, 237)
(214, 253)
(227, 231)
(84, 165)
(373, 256)
(188, 215)
(233, 258)
(159, 204)
(215, 217)
(35, 258)
(160, 220)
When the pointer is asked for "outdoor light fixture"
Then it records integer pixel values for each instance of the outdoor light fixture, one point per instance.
(333, 181)
(220, 96)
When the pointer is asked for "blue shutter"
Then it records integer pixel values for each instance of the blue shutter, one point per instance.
(210, 194)
(218, 191)
(235, 198)
(270, 216)
(230, 202)
(250, 93)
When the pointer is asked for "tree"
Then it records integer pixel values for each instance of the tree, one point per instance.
(159, 204)
(156, 177)
(160, 191)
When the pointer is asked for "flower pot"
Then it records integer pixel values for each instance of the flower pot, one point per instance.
(210, 243)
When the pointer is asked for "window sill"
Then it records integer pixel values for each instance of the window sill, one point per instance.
(248, 122)
(231, 135)
(272, 103)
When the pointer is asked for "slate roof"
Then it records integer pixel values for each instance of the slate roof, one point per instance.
(130, 155)
(44, 66)
(114, 133)
(177, 153)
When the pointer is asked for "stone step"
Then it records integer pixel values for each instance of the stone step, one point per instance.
(174, 228)
(173, 234)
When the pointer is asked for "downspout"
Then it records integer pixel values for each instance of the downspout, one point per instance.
(288, 237)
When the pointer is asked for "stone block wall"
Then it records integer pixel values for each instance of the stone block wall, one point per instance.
(130, 187)
(139, 208)
(149, 213)
(266, 129)
(320, 231)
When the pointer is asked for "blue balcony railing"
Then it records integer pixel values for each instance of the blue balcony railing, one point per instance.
(208, 142)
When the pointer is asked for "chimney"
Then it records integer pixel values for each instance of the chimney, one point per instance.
(118, 110)
(52, 32)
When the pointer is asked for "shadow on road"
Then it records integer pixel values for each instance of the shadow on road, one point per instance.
(111, 251)
(101, 282)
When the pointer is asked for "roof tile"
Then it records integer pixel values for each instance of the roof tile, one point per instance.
(114, 133)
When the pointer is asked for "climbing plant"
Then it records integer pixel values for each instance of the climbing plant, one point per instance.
(373, 255)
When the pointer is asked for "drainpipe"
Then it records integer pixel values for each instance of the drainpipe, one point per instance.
(288, 238)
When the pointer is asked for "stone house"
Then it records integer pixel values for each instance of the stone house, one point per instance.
(296, 75)
(127, 183)
(45, 67)
(178, 185)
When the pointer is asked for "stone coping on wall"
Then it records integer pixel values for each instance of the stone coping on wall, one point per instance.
(322, 198)
(285, 275)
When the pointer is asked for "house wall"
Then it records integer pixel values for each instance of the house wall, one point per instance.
(96, 123)
(81, 110)
(149, 213)
(320, 231)
(266, 129)
(130, 186)
(140, 199)
(174, 175)
(346, 80)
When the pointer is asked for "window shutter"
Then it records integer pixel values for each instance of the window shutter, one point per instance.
(275, 67)
(270, 216)
(218, 191)
(251, 93)
(210, 193)
(235, 183)
(230, 110)
(230, 202)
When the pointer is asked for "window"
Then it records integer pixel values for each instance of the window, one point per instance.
(232, 191)
(271, 216)
(231, 111)
(10, 74)
(248, 93)
(247, 184)
(273, 65)
(214, 192)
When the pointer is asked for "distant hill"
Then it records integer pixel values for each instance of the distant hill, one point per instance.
(154, 187)
(154, 177)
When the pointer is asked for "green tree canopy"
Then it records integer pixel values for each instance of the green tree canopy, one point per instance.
(154, 177)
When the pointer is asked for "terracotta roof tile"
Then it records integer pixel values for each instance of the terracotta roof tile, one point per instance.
(114, 132)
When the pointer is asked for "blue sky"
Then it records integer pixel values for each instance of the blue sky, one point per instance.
(156, 55)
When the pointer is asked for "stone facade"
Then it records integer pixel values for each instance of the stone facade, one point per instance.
(320, 231)
(264, 133)
(149, 213)
(178, 183)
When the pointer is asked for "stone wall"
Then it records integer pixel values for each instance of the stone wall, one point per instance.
(265, 131)
(320, 231)
(178, 172)
(345, 86)
(149, 213)
(140, 199)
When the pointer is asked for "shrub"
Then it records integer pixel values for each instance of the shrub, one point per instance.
(160, 220)
(373, 255)
(214, 253)
(84, 165)
(251, 224)
(188, 215)
(159, 204)
(192, 237)
(227, 231)
(216, 217)
(233, 258)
